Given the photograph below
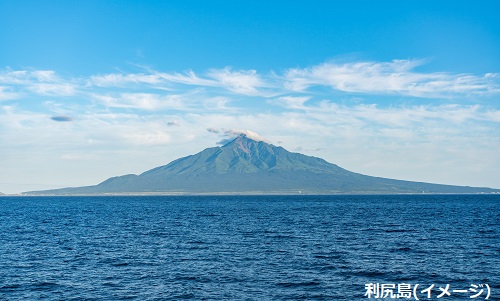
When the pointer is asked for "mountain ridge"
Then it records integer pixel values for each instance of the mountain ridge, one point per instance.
(246, 166)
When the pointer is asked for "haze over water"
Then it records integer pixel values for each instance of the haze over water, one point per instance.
(245, 247)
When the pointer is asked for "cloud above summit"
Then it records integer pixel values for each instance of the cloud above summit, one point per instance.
(229, 135)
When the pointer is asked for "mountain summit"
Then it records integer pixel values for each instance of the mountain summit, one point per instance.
(242, 156)
(244, 166)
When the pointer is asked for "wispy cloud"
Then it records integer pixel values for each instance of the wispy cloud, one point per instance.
(187, 78)
(291, 102)
(292, 87)
(403, 115)
(6, 94)
(192, 101)
(143, 101)
(9, 76)
(122, 80)
(246, 82)
(41, 82)
(396, 77)
(64, 89)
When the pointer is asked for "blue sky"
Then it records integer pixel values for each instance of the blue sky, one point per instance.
(399, 89)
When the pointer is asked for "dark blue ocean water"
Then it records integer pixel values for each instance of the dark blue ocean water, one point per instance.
(247, 247)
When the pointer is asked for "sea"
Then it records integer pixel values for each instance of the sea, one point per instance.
(342, 247)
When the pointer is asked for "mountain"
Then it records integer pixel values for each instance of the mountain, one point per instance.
(255, 167)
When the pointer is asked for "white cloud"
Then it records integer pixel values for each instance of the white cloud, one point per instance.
(118, 79)
(188, 78)
(41, 82)
(53, 89)
(380, 78)
(396, 77)
(291, 102)
(147, 137)
(192, 101)
(407, 116)
(153, 79)
(8, 76)
(46, 76)
(492, 115)
(6, 94)
(78, 156)
(143, 101)
(246, 82)
(250, 134)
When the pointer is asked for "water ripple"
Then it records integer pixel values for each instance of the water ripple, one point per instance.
(244, 247)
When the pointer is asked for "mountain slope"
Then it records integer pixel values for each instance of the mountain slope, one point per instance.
(247, 166)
